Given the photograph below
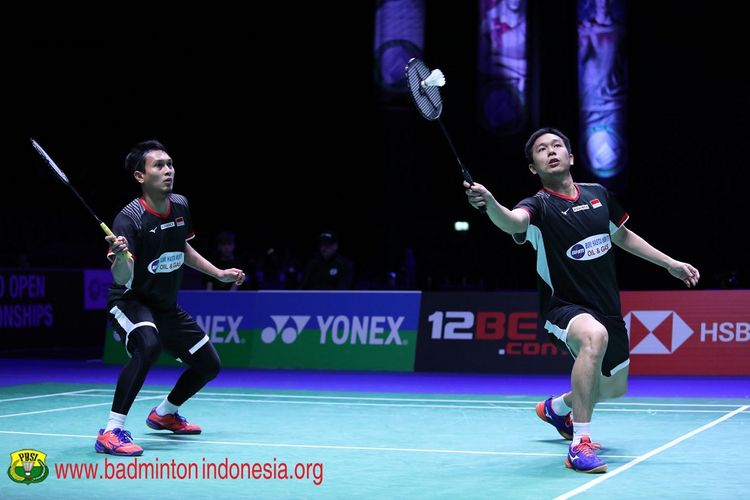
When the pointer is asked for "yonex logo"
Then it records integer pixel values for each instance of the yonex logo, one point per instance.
(288, 334)
(656, 332)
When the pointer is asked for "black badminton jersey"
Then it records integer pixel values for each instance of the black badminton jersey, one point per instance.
(571, 236)
(157, 242)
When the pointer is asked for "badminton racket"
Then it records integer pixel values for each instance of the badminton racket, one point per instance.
(424, 86)
(64, 178)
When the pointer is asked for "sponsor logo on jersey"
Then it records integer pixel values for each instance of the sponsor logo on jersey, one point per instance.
(166, 263)
(167, 225)
(596, 203)
(578, 208)
(590, 248)
(180, 221)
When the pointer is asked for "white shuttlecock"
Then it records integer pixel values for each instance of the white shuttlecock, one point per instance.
(436, 79)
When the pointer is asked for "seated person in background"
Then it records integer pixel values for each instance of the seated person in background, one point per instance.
(328, 270)
(225, 254)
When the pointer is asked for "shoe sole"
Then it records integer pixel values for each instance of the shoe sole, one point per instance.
(158, 427)
(543, 417)
(595, 470)
(102, 449)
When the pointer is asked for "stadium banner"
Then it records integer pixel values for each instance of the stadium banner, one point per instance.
(485, 332)
(345, 330)
(690, 332)
(42, 315)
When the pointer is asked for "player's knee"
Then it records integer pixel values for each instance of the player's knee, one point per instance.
(210, 368)
(213, 369)
(595, 340)
(613, 391)
(145, 340)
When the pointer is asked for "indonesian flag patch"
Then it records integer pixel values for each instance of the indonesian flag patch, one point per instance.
(596, 203)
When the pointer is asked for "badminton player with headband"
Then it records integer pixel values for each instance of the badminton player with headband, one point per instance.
(142, 302)
(573, 227)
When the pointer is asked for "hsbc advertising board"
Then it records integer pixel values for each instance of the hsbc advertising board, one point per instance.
(688, 332)
(485, 332)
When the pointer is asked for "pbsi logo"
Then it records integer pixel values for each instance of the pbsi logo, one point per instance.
(28, 466)
(340, 329)
(519, 328)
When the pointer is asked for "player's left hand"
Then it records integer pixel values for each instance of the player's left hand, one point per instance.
(685, 273)
(232, 275)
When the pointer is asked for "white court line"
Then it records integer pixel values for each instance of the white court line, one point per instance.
(365, 398)
(317, 446)
(69, 393)
(650, 454)
(51, 410)
(457, 407)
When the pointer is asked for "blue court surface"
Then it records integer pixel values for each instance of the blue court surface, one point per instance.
(295, 434)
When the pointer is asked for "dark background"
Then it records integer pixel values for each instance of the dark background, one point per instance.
(279, 132)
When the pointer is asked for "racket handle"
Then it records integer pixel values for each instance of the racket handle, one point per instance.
(109, 232)
(467, 178)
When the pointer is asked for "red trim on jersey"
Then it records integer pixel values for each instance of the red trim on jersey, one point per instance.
(624, 219)
(527, 211)
(190, 236)
(154, 212)
(565, 196)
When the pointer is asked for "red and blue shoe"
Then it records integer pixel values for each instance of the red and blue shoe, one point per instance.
(171, 422)
(582, 457)
(117, 442)
(563, 424)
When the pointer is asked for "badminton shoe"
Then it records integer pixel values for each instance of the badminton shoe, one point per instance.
(171, 422)
(563, 424)
(117, 442)
(582, 457)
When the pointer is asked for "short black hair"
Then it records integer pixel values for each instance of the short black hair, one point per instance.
(536, 135)
(136, 158)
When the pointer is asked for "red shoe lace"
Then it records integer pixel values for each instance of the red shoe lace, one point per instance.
(587, 447)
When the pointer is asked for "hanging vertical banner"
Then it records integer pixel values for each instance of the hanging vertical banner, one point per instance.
(502, 65)
(602, 85)
(399, 36)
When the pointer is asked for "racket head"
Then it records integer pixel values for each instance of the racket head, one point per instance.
(50, 162)
(427, 99)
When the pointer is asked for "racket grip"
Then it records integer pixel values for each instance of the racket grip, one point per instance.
(467, 178)
(109, 232)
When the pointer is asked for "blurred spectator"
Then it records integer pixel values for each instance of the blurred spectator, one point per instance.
(225, 257)
(328, 270)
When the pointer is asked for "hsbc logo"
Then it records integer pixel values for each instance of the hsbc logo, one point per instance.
(656, 332)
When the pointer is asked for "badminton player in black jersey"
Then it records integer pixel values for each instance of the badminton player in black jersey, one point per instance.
(573, 227)
(148, 249)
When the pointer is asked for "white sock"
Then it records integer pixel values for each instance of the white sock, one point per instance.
(559, 406)
(580, 429)
(166, 408)
(116, 421)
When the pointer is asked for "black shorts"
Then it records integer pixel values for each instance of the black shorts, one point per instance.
(617, 355)
(179, 334)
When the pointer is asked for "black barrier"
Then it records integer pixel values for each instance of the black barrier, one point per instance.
(485, 332)
(42, 315)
